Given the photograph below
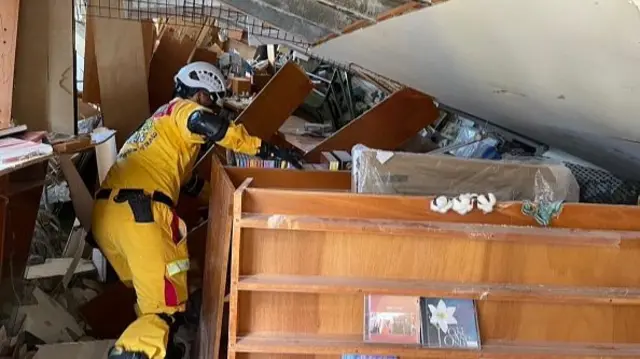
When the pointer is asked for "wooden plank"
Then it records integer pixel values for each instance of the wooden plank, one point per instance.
(339, 344)
(386, 126)
(235, 267)
(61, 75)
(122, 72)
(43, 96)
(505, 233)
(91, 83)
(217, 262)
(148, 40)
(283, 178)
(477, 291)
(31, 85)
(332, 205)
(80, 350)
(200, 54)
(53, 267)
(172, 53)
(286, 90)
(9, 10)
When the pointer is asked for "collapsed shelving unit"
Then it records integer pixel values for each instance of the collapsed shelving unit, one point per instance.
(303, 261)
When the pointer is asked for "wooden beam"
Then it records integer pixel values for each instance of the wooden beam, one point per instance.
(122, 73)
(386, 126)
(9, 10)
(282, 95)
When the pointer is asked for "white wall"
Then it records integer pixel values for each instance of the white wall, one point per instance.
(566, 72)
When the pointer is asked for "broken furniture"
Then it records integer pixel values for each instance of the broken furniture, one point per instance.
(22, 178)
(303, 260)
(386, 126)
(224, 181)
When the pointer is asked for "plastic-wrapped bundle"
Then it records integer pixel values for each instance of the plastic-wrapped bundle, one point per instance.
(385, 172)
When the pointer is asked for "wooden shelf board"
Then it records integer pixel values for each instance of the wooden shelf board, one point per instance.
(478, 291)
(435, 229)
(582, 216)
(309, 344)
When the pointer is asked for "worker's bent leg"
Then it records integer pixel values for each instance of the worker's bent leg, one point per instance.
(158, 259)
(104, 231)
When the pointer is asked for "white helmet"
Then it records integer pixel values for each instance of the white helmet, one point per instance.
(202, 76)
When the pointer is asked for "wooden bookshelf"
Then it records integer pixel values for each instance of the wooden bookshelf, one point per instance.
(302, 262)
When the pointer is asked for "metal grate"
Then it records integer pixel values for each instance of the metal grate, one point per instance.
(598, 186)
(188, 13)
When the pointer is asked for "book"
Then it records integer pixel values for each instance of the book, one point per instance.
(243, 160)
(449, 323)
(362, 356)
(330, 160)
(392, 319)
(344, 158)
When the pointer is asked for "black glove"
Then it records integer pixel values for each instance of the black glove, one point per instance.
(269, 151)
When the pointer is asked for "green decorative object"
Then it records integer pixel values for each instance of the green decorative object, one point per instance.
(542, 212)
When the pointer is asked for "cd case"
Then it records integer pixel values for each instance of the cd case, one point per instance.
(392, 319)
(449, 323)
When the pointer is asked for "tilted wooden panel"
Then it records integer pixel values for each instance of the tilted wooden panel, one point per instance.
(217, 260)
(172, 54)
(8, 38)
(272, 106)
(90, 84)
(386, 126)
(122, 72)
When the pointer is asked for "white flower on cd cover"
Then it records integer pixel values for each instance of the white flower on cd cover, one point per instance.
(442, 316)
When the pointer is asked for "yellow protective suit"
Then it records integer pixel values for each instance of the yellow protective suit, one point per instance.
(153, 255)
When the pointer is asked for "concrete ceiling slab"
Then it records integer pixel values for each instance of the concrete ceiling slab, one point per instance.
(566, 72)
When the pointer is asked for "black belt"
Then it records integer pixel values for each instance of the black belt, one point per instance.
(126, 194)
(138, 200)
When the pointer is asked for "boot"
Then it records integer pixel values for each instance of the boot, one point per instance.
(119, 353)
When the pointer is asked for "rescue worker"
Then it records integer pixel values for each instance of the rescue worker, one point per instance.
(134, 222)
